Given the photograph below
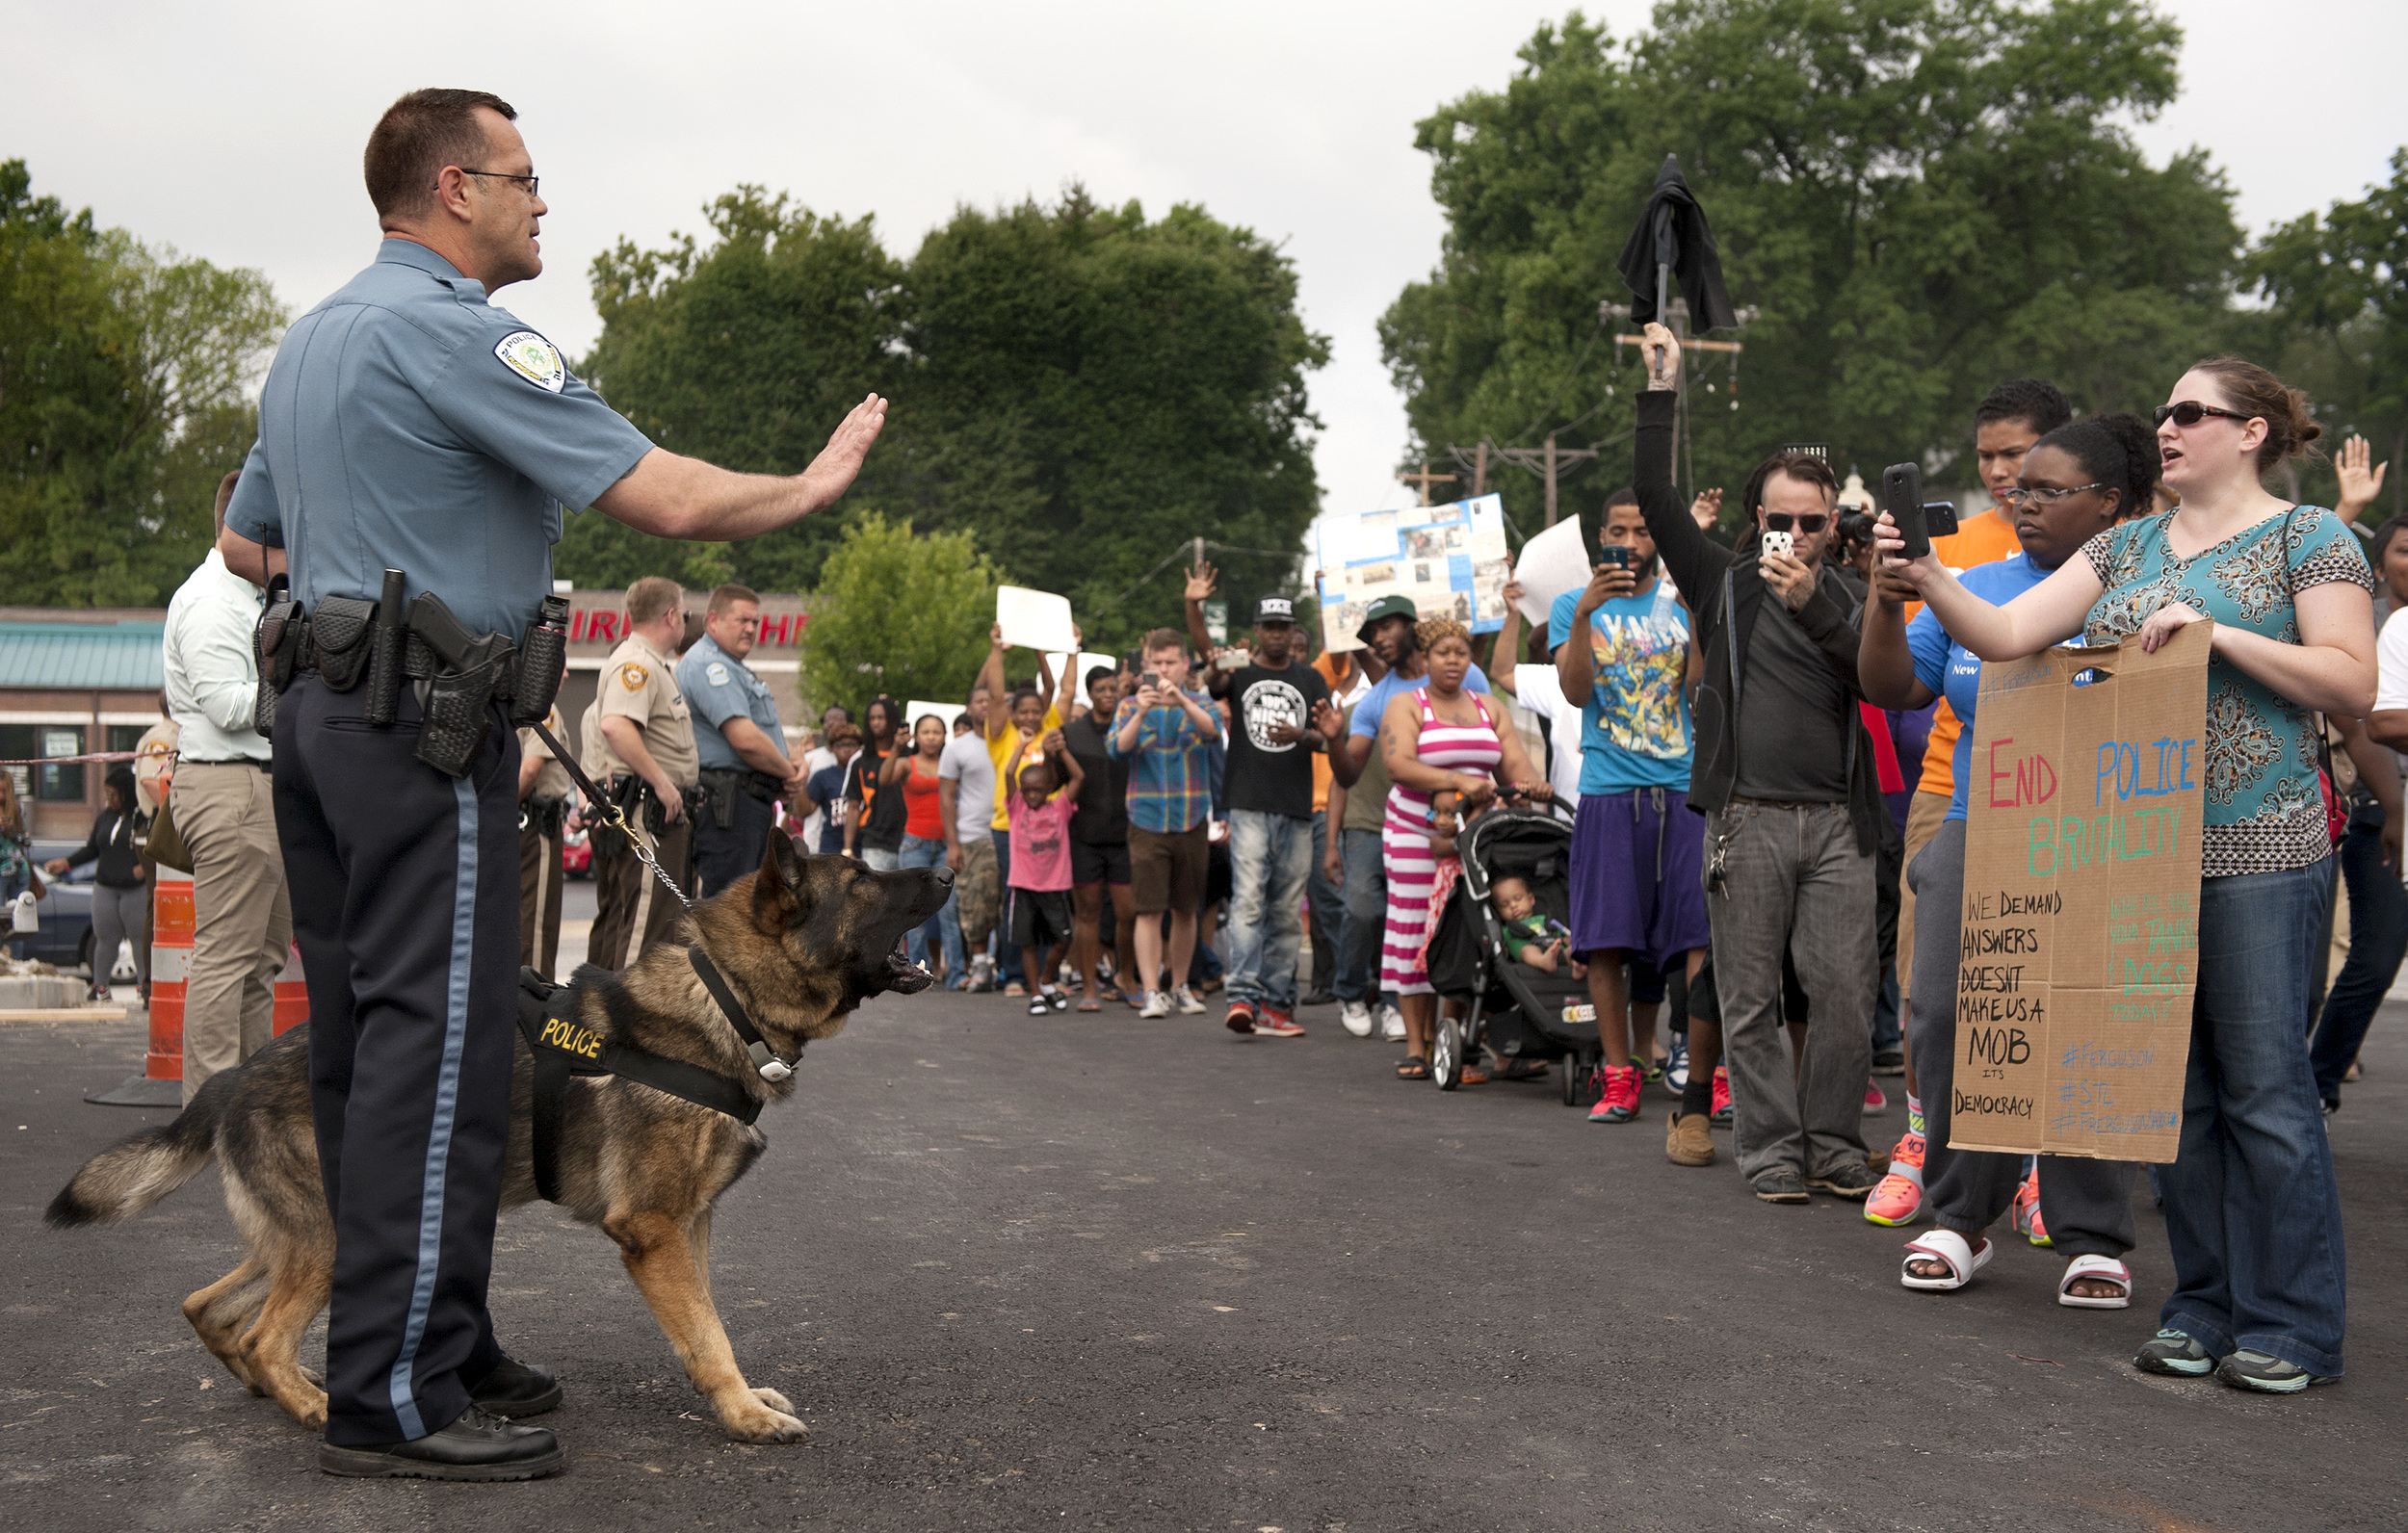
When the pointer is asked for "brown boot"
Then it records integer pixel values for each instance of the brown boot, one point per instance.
(1688, 1141)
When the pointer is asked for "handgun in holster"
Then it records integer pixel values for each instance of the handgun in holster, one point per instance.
(277, 642)
(456, 693)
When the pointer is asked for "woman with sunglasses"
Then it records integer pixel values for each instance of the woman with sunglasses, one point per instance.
(2077, 482)
(2251, 1211)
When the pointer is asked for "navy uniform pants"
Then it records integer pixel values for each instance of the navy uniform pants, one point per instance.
(404, 887)
(723, 856)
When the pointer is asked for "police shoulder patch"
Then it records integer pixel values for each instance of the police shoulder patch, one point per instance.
(533, 359)
(633, 676)
(716, 673)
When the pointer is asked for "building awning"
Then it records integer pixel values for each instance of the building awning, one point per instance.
(114, 656)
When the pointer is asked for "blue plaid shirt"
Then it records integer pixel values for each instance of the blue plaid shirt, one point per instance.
(1171, 785)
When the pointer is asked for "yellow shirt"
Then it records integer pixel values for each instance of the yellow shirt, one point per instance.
(999, 749)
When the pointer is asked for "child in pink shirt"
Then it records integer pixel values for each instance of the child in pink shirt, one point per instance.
(1042, 796)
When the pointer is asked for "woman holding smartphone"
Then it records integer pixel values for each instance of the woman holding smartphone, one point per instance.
(2251, 1211)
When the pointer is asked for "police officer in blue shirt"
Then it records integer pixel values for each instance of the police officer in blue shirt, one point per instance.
(408, 424)
(737, 739)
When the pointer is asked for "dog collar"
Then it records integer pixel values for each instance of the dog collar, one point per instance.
(771, 1068)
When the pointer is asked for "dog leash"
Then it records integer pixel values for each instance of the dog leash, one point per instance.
(764, 1058)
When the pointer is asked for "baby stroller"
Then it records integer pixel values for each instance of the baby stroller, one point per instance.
(1522, 1013)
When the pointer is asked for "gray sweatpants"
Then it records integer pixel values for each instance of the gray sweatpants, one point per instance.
(2085, 1203)
(121, 915)
(1793, 883)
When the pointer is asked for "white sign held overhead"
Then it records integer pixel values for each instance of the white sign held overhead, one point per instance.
(1035, 619)
(1553, 563)
(917, 709)
(1070, 673)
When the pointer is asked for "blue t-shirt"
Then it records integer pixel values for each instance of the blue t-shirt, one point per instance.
(826, 789)
(1374, 703)
(1954, 671)
(1634, 723)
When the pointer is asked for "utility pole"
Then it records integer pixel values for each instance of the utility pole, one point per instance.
(1425, 479)
(1479, 472)
(1550, 462)
(1675, 315)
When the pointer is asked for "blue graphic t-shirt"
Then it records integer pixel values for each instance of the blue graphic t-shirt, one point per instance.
(1635, 724)
(1953, 672)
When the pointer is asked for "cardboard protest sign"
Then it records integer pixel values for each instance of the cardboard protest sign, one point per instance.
(1450, 559)
(1035, 619)
(2078, 949)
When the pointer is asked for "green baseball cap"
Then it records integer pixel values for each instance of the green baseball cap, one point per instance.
(1385, 608)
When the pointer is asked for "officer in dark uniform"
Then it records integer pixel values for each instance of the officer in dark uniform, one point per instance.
(409, 425)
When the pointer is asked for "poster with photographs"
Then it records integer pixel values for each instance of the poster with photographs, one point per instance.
(1450, 559)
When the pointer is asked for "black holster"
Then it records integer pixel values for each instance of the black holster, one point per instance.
(720, 782)
(340, 637)
(383, 702)
(544, 816)
(278, 643)
(542, 656)
(460, 674)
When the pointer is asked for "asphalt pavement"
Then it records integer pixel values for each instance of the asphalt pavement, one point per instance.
(1097, 1271)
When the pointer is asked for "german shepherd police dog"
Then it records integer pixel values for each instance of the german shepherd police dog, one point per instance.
(802, 942)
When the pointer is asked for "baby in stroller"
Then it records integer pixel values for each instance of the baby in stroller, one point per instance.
(1533, 937)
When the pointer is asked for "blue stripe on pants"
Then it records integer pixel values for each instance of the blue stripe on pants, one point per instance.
(446, 1105)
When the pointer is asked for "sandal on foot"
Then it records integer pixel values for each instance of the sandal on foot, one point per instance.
(1412, 1067)
(2104, 1269)
(1090, 1003)
(1950, 1250)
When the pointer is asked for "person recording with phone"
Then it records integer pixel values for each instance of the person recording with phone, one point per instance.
(1794, 807)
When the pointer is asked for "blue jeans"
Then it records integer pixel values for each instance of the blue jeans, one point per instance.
(1365, 920)
(1326, 909)
(1269, 856)
(2378, 939)
(2251, 1209)
(931, 935)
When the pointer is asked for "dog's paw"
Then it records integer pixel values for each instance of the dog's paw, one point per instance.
(316, 1379)
(756, 1422)
(775, 1401)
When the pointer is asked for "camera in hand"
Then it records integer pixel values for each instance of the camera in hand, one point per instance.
(1902, 497)
(1940, 518)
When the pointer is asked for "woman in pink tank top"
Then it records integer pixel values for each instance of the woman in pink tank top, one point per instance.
(1436, 738)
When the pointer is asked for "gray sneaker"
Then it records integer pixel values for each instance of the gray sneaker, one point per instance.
(1846, 1182)
(2268, 1375)
(1185, 1000)
(1781, 1186)
(2174, 1353)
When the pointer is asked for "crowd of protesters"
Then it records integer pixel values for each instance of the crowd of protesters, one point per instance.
(1762, 751)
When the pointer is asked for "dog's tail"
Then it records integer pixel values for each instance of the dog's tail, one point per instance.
(140, 1169)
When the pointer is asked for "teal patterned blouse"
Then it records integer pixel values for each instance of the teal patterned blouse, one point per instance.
(2264, 811)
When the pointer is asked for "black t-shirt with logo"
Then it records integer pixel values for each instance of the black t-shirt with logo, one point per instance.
(1263, 776)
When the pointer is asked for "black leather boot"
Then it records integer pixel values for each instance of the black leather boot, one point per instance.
(515, 1389)
(475, 1446)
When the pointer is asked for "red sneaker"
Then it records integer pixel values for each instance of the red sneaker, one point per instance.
(1275, 1023)
(1240, 1018)
(1720, 1117)
(1620, 1102)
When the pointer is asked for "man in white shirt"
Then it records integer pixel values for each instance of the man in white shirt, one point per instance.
(225, 807)
(965, 795)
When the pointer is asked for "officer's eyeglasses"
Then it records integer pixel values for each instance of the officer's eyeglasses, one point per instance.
(533, 181)
(2191, 412)
(1810, 524)
(2013, 499)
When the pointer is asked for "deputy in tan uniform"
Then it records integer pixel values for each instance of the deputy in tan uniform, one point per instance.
(545, 796)
(640, 748)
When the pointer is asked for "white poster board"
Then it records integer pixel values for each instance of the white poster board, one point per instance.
(1075, 668)
(1450, 559)
(1035, 619)
(1553, 563)
(916, 709)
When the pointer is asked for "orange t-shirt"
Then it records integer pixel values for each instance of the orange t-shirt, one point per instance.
(1982, 539)
(1341, 671)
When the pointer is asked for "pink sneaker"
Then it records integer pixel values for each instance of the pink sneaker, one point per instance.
(1720, 1117)
(1899, 1199)
(1620, 1102)
(1875, 1103)
(2026, 1210)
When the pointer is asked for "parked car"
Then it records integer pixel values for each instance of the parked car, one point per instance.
(576, 855)
(65, 939)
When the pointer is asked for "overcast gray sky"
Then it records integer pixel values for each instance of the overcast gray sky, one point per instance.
(233, 130)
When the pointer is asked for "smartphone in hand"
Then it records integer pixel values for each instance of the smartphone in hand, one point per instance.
(1902, 497)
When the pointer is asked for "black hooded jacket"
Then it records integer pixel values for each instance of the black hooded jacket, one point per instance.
(1726, 595)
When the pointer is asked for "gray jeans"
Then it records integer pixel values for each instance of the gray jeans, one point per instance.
(1793, 883)
(121, 915)
(2086, 1205)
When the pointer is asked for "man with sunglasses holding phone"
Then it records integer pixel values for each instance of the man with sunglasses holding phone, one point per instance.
(1794, 807)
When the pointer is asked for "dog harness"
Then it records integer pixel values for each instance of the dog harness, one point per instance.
(564, 1047)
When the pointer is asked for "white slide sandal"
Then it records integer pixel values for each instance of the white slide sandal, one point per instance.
(2107, 1268)
(1949, 1249)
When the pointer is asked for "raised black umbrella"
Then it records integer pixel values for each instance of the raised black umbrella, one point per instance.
(1672, 241)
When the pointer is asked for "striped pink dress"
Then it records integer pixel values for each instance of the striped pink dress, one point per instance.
(1404, 841)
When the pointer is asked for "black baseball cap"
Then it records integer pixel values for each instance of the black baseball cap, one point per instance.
(1380, 610)
(1275, 610)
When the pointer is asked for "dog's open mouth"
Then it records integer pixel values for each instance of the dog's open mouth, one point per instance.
(904, 977)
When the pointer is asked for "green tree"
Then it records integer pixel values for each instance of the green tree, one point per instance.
(899, 611)
(1919, 197)
(1082, 389)
(2335, 321)
(122, 372)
